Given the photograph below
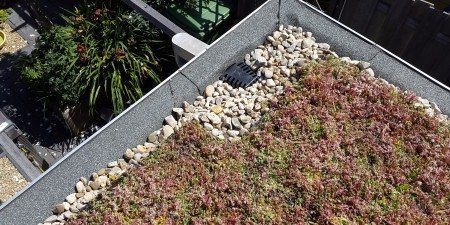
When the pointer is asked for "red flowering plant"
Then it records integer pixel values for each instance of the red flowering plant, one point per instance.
(339, 147)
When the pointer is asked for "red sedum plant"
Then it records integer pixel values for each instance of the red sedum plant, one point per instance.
(339, 147)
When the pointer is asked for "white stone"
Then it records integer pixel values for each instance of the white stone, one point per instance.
(102, 180)
(116, 170)
(324, 46)
(95, 185)
(435, 108)
(276, 35)
(424, 102)
(363, 65)
(84, 180)
(215, 132)
(137, 157)
(80, 187)
(214, 118)
(113, 164)
(232, 133)
(307, 43)
(150, 146)
(80, 206)
(208, 126)
(51, 219)
(229, 104)
(226, 122)
(270, 83)
(60, 218)
(67, 215)
(141, 149)
(152, 138)
(243, 132)
(167, 131)
(370, 72)
(128, 154)
(71, 198)
(260, 61)
(89, 196)
(178, 112)
(66, 206)
(170, 120)
(268, 73)
(74, 209)
(245, 119)
(209, 91)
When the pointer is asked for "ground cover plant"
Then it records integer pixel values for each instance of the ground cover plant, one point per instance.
(339, 147)
(104, 56)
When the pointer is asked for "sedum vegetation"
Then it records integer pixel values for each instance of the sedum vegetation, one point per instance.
(339, 147)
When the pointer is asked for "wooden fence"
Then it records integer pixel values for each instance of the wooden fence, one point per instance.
(413, 30)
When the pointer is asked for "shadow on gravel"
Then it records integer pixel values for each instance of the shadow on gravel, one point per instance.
(22, 106)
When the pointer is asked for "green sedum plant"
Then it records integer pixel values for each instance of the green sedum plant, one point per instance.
(105, 55)
(339, 147)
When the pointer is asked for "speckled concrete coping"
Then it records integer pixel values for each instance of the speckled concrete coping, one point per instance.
(33, 204)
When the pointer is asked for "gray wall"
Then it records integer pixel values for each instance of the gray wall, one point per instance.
(131, 127)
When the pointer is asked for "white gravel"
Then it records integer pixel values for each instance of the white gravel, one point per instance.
(11, 181)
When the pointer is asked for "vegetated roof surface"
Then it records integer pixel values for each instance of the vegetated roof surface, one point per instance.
(339, 146)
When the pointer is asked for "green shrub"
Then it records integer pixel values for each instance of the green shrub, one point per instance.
(4, 14)
(46, 69)
(103, 57)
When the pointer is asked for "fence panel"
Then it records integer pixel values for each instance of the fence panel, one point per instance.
(376, 23)
(418, 51)
(406, 31)
(441, 41)
(412, 29)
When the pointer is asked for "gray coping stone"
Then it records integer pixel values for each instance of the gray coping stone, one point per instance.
(130, 128)
(232, 47)
(183, 89)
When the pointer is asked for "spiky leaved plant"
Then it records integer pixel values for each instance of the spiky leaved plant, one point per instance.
(116, 51)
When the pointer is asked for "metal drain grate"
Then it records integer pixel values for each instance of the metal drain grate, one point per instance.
(239, 75)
